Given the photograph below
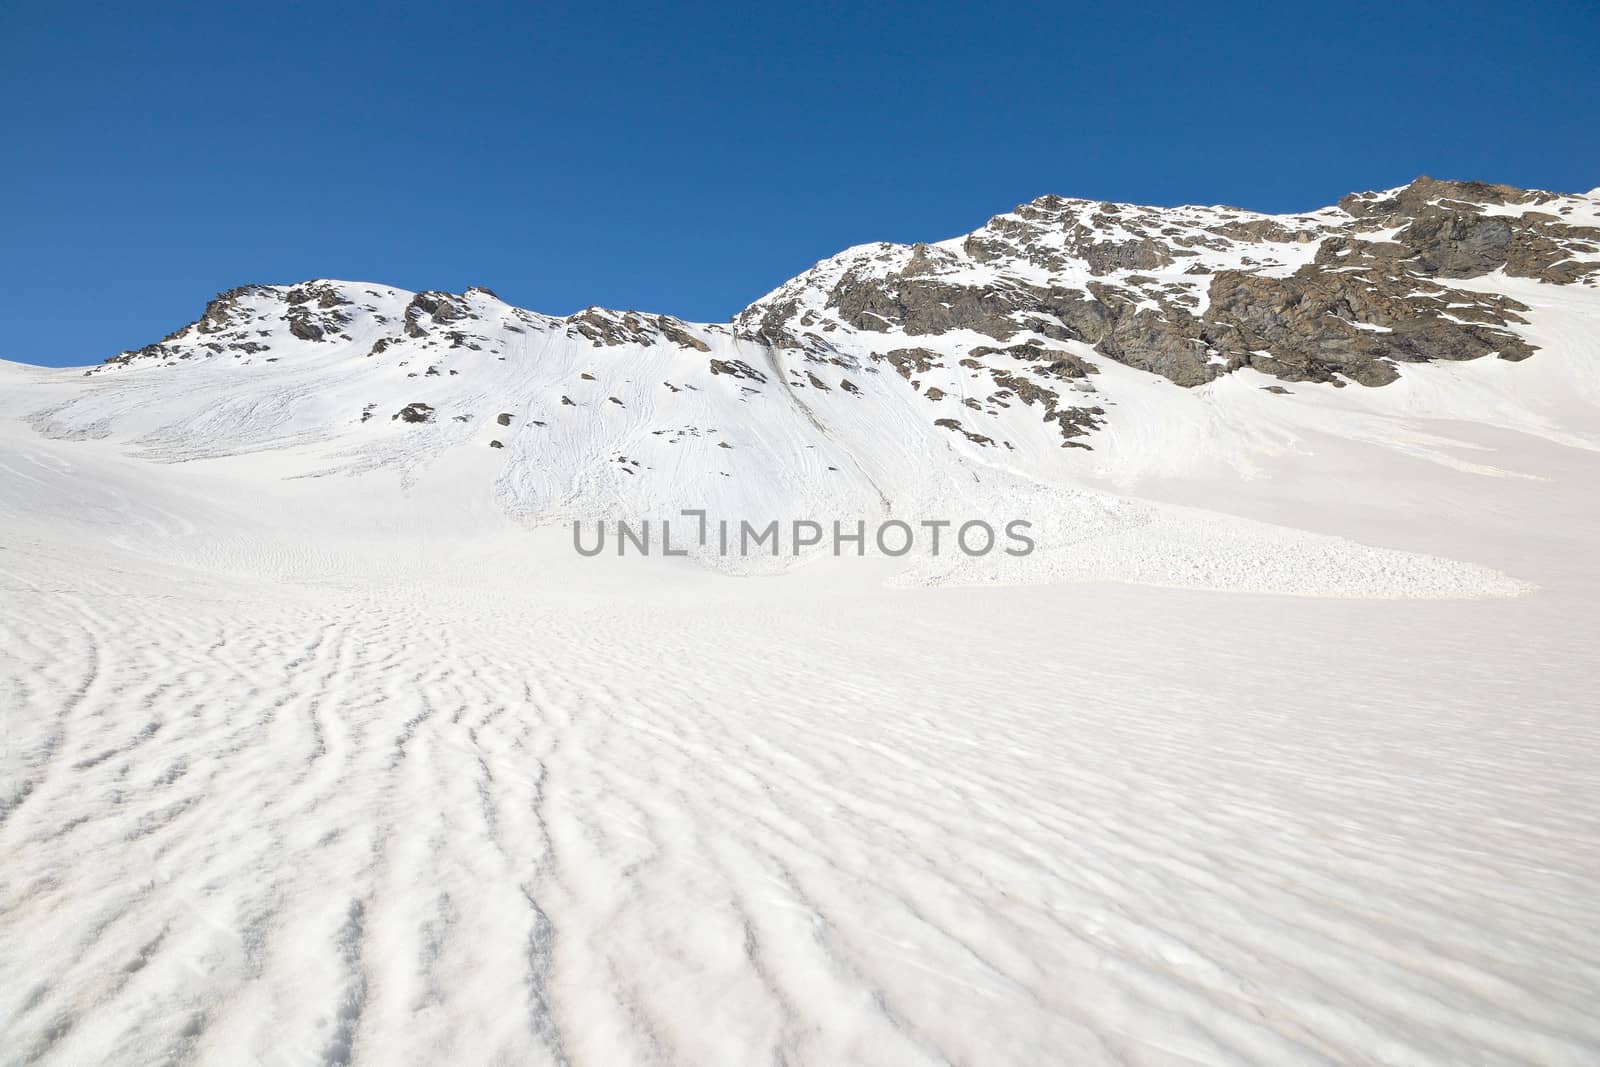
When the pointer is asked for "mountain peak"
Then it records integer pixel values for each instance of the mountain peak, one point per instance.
(1013, 323)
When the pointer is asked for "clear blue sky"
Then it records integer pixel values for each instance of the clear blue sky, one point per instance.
(688, 160)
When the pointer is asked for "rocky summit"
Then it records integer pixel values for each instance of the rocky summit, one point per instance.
(1345, 293)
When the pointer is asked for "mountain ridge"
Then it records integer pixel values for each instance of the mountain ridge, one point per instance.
(1254, 290)
(1061, 349)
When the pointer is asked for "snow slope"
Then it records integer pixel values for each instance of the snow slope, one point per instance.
(526, 420)
(321, 745)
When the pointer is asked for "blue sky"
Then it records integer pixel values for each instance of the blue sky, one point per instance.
(688, 160)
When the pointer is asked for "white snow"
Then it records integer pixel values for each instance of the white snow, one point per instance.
(321, 745)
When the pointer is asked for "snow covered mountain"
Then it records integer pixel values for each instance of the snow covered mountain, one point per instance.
(1020, 312)
(1192, 293)
(1064, 345)
(317, 746)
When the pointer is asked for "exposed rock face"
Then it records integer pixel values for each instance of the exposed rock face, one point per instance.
(324, 295)
(1058, 363)
(1449, 233)
(1192, 293)
(911, 361)
(226, 314)
(224, 309)
(314, 311)
(679, 334)
(955, 426)
(438, 308)
(610, 328)
(303, 326)
(1315, 325)
(737, 368)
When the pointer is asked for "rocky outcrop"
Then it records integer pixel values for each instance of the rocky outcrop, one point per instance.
(911, 361)
(737, 368)
(1056, 363)
(676, 332)
(224, 311)
(232, 320)
(609, 328)
(1343, 294)
(955, 426)
(1313, 325)
(438, 308)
